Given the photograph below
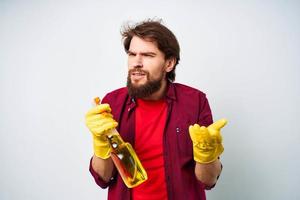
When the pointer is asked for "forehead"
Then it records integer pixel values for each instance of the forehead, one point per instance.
(143, 45)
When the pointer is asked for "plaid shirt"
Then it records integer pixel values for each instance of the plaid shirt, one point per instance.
(186, 106)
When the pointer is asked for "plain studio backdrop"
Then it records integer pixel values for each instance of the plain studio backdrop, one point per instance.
(56, 56)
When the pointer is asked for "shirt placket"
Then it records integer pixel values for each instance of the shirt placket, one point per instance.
(167, 162)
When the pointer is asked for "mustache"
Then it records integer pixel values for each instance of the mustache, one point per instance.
(131, 71)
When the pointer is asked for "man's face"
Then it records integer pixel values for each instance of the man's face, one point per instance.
(147, 68)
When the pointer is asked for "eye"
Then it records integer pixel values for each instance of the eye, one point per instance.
(130, 54)
(149, 55)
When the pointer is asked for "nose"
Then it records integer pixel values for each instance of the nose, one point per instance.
(138, 66)
(138, 62)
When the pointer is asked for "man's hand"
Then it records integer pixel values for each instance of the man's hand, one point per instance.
(99, 120)
(207, 141)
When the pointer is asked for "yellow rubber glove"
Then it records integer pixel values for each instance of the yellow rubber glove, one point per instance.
(207, 141)
(99, 120)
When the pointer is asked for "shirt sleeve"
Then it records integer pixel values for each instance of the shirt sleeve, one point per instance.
(206, 119)
(99, 181)
(205, 115)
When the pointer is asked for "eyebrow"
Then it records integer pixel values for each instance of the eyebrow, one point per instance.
(143, 53)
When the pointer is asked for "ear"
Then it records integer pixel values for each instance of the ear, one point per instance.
(170, 64)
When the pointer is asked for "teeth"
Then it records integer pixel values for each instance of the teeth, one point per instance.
(137, 73)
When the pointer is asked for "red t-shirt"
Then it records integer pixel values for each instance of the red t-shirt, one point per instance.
(150, 122)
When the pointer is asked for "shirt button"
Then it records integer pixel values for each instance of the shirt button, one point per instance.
(177, 130)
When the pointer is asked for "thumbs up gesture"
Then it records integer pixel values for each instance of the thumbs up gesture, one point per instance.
(207, 141)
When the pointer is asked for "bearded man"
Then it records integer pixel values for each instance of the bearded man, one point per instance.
(169, 125)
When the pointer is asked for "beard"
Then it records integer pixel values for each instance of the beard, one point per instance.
(145, 90)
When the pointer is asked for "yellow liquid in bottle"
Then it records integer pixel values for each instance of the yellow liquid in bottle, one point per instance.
(126, 161)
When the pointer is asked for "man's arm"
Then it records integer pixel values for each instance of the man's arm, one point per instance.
(99, 120)
(103, 167)
(207, 147)
(208, 173)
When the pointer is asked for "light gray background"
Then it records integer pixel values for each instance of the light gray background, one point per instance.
(55, 56)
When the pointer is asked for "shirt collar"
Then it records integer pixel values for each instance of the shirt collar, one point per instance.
(170, 94)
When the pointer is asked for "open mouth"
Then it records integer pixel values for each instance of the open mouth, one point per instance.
(138, 74)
